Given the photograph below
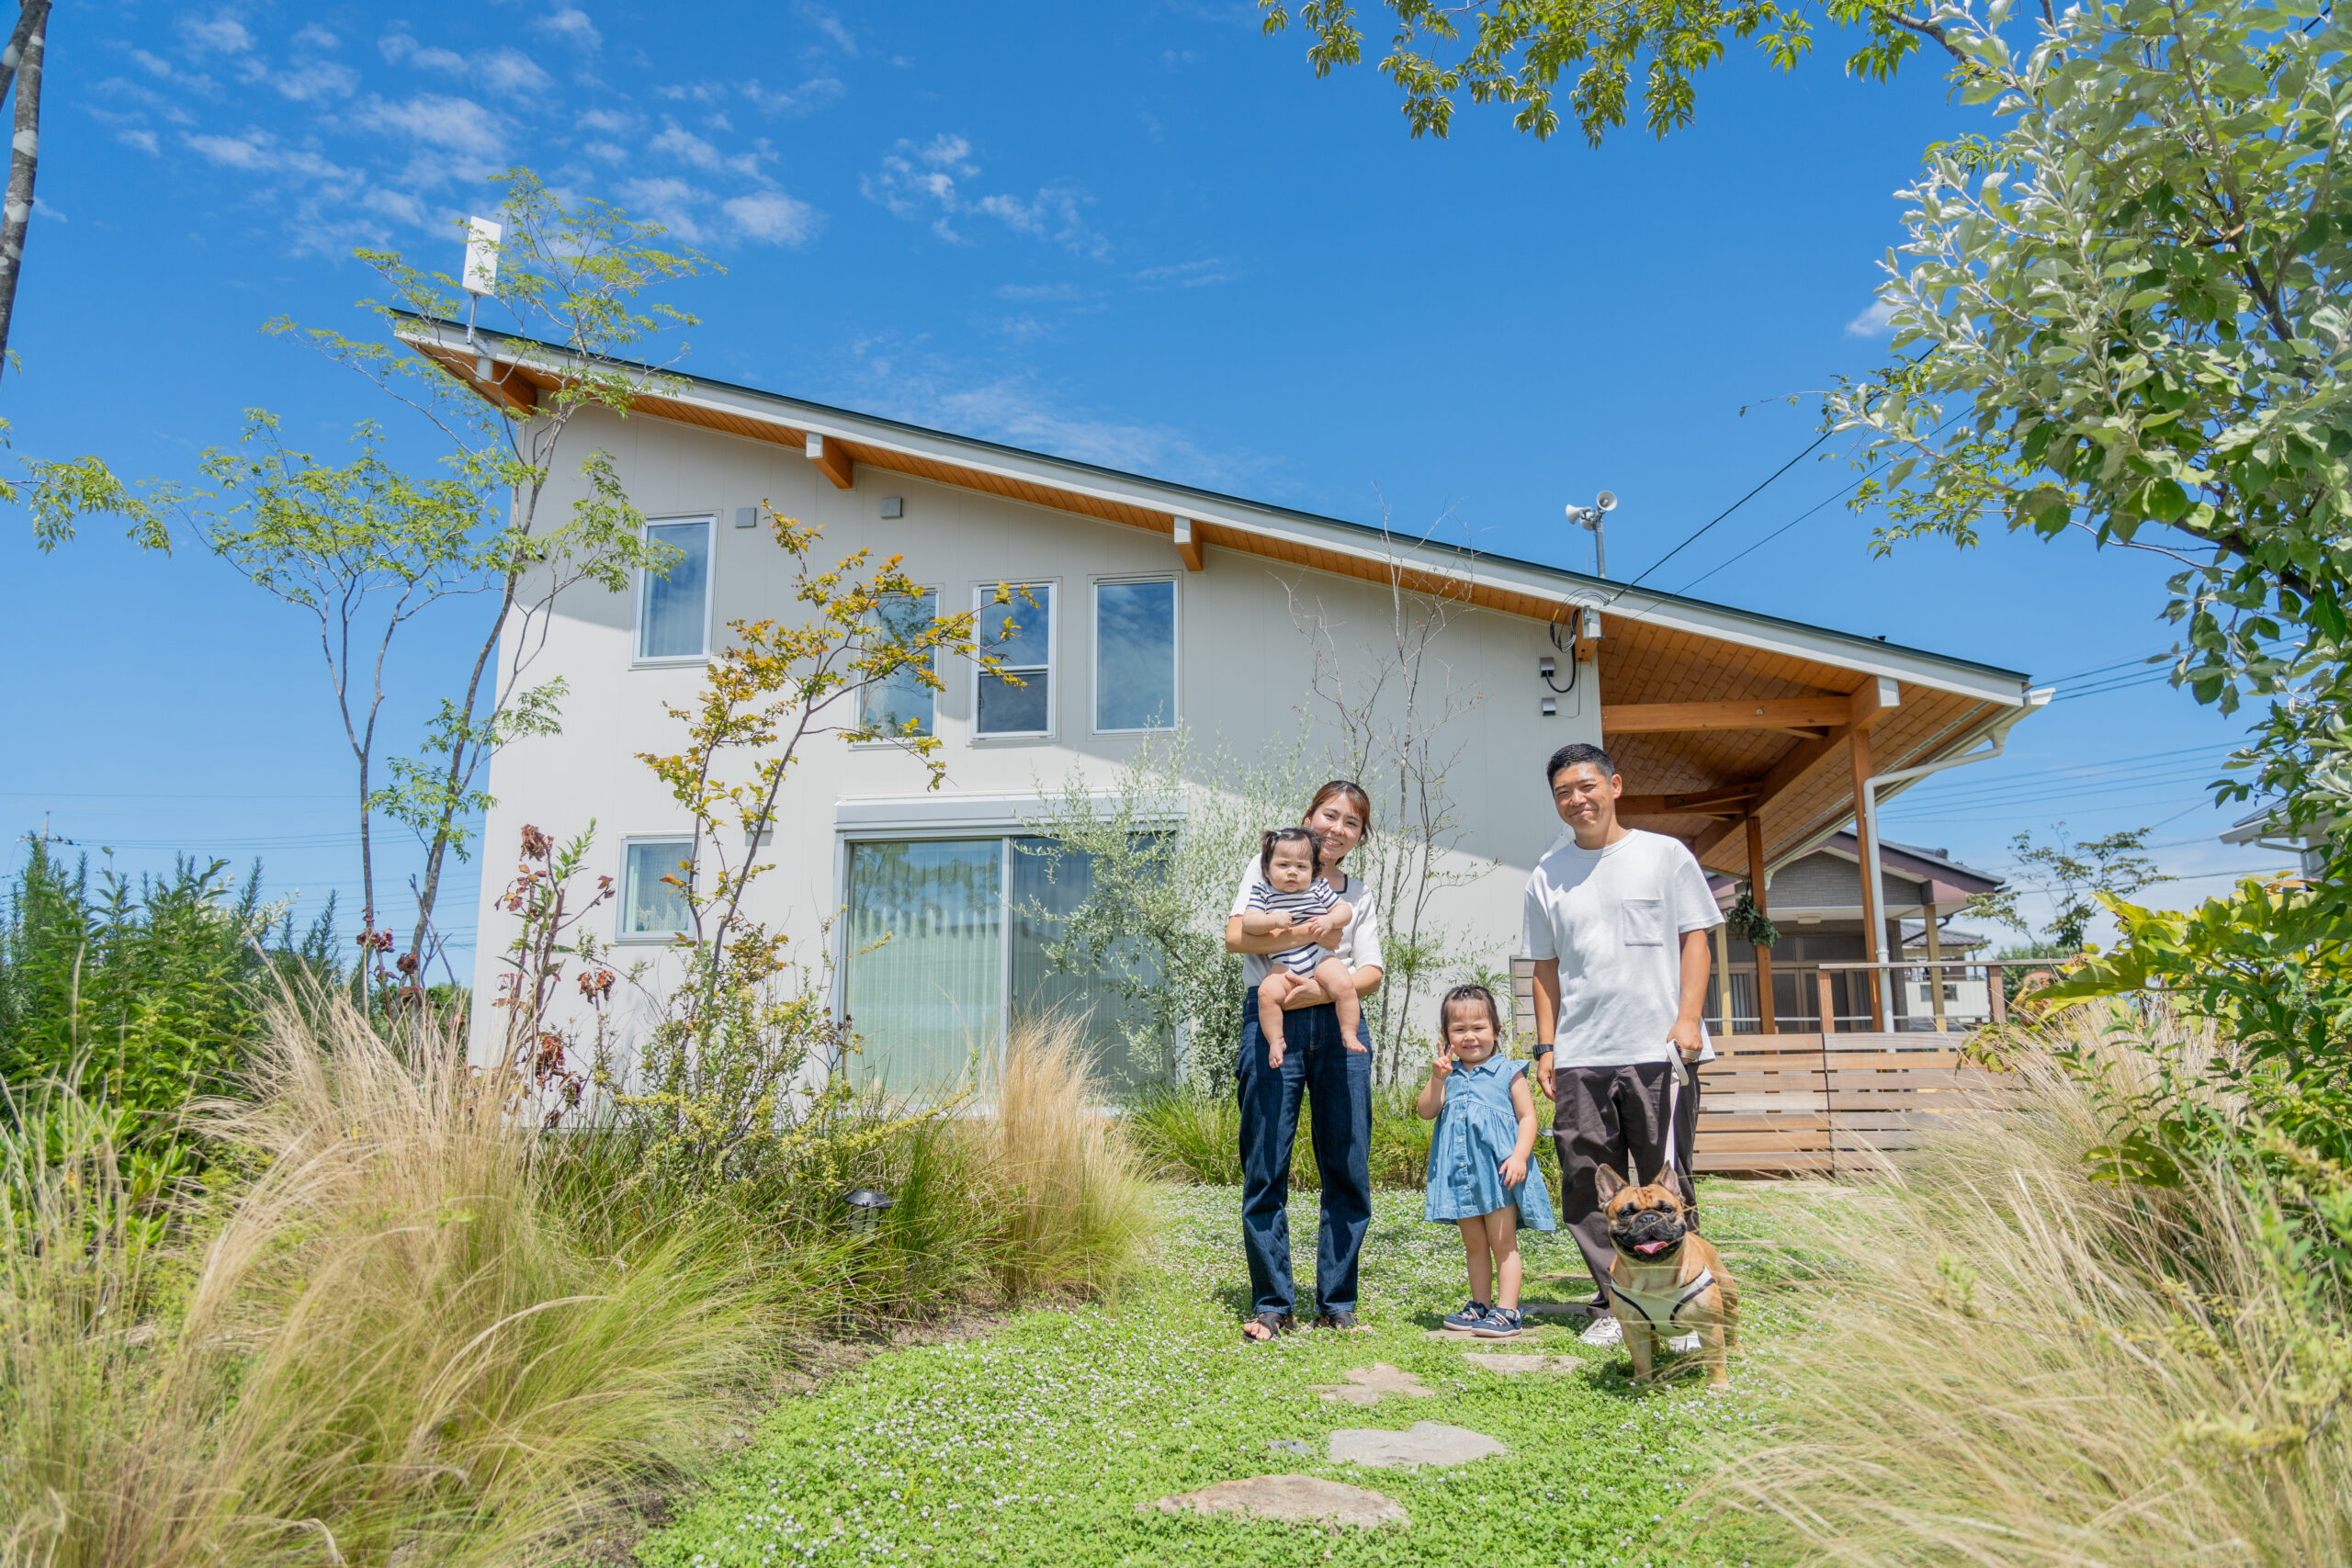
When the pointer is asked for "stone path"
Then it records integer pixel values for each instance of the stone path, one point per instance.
(1424, 1442)
(1291, 1499)
(1365, 1385)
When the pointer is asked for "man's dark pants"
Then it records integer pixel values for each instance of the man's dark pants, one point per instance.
(1336, 1085)
(1607, 1116)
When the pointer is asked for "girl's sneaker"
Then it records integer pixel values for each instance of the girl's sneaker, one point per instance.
(1499, 1323)
(1467, 1320)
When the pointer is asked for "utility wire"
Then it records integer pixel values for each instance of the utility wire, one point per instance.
(1743, 500)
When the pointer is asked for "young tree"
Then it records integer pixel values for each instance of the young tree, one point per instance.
(747, 1018)
(2078, 878)
(1392, 707)
(367, 548)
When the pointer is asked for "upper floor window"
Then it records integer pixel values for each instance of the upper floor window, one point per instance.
(653, 888)
(1134, 655)
(673, 612)
(1020, 634)
(902, 705)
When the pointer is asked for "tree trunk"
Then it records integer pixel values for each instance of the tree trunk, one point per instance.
(26, 48)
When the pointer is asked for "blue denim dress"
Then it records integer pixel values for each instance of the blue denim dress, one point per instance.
(1475, 1134)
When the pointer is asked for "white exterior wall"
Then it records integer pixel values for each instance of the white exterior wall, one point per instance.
(1244, 672)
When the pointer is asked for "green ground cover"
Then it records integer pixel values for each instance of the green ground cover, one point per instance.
(1047, 1442)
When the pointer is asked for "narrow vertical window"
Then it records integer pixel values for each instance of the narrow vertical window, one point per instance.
(1134, 655)
(902, 705)
(1017, 699)
(653, 888)
(673, 612)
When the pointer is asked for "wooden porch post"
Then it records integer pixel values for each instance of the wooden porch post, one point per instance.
(1723, 979)
(1935, 971)
(1765, 1022)
(1866, 857)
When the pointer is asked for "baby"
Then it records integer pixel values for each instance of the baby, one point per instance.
(1293, 901)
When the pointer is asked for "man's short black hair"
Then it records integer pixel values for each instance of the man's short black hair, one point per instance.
(1575, 752)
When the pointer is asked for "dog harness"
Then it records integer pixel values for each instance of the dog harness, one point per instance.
(1654, 1305)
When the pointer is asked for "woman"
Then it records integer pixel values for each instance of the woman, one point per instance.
(1335, 1078)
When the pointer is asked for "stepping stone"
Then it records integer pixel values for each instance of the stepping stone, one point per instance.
(1290, 1446)
(1516, 1366)
(1425, 1442)
(1291, 1499)
(1555, 1308)
(1366, 1384)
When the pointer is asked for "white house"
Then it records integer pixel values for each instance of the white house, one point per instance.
(1161, 604)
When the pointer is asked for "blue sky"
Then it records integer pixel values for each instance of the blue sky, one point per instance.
(1143, 235)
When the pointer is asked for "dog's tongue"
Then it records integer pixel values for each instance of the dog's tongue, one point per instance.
(1646, 1248)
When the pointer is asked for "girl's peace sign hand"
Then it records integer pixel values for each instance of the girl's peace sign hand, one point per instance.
(1443, 1066)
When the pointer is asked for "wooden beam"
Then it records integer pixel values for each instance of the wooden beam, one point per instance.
(1729, 801)
(504, 387)
(1764, 712)
(1187, 545)
(1784, 776)
(1765, 1020)
(833, 460)
(1873, 918)
(1872, 700)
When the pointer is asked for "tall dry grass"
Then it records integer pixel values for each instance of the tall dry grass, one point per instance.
(387, 1342)
(1078, 1209)
(2024, 1365)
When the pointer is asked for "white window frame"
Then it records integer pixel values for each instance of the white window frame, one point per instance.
(983, 593)
(621, 933)
(639, 660)
(938, 596)
(1176, 649)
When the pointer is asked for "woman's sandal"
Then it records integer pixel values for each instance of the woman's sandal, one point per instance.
(1276, 1324)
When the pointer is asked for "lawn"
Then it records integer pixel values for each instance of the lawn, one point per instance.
(1048, 1441)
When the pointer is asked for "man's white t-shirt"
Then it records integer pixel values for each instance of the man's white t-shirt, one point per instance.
(1614, 918)
(1359, 942)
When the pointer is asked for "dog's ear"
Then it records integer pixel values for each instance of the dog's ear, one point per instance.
(1606, 1184)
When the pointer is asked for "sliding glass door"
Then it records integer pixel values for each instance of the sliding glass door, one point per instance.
(947, 946)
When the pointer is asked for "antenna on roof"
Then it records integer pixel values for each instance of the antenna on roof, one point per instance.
(1589, 517)
(479, 277)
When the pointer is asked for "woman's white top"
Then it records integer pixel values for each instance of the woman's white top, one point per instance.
(1359, 942)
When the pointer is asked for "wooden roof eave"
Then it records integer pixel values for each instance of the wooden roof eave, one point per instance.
(1517, 588)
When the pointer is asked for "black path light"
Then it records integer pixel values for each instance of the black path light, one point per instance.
(866, 1205)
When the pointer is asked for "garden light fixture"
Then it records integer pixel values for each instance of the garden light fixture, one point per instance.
(866, 1205)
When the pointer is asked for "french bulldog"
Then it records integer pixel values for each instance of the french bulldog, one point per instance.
(1666, 1281)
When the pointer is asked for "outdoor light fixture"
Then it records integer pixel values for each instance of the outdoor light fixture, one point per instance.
(865, 1206)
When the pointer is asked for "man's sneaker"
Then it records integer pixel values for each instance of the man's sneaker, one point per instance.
(1467, 1320)
(1500, 1322)
(1604, 1331)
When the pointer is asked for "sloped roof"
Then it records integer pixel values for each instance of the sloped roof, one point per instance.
(1657, 647)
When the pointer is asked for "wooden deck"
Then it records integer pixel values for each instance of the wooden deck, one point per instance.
(1781, 1103)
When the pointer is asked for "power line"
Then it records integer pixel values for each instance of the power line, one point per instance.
(1727, 510)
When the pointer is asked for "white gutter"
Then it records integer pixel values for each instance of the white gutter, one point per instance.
(1866, 823)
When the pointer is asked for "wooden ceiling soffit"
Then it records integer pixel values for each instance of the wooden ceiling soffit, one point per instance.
(1776, 713)
(507, 387)
(1785, 774)
(1733, 800)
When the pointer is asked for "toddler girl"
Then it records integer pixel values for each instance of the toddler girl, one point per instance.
(1293, 901)
(1481, 1154)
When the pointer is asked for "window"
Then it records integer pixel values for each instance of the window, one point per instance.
(1134, 655)
(947, 942)
(654, 895)
(673, 612)
(1022, 635)
(904, 701)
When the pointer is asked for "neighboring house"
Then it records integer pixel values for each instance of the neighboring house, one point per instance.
(1816, 900)
(1159, 605)
(2264, 828)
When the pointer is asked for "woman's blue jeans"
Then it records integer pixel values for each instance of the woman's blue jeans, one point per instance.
(1336, 1085)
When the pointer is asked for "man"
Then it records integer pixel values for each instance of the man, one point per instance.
(1617, 921)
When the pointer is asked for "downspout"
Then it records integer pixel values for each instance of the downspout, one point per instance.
(1867, 822)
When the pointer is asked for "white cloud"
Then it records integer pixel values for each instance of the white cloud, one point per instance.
(1876, 322)
(1037, 291)
(220, 33)
(609, 152)
(692, 92)
(611, 121)
(825, 22)
(258, 152)
(1187, 275)
(432, 58)
(317, 37)
(313, 81)
(142, 140)
(669, 202)
(154, 65)
(459, 124)
(686, 146)
(773, 217)
(1052, 214)
(571, 23)
(510, 71)
(915, 181)
(806, 98)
